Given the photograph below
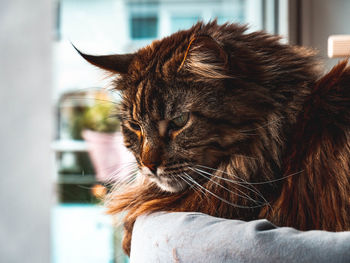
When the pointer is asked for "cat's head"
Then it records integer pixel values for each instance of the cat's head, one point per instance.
(194, 99)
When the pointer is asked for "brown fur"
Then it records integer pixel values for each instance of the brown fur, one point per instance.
(320, 197)
(260, 114)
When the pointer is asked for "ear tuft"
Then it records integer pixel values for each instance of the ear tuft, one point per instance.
(206, 58)
(113, 63)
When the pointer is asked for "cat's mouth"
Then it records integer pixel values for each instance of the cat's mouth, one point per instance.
(167, 181)
(171, 180)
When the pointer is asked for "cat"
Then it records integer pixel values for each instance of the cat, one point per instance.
(235, 125)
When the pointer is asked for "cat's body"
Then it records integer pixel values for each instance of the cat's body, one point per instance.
(234, 125)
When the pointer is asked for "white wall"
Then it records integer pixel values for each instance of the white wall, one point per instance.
(25, 130)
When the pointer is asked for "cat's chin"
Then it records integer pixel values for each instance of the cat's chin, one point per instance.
(165, 183)
(170, 188)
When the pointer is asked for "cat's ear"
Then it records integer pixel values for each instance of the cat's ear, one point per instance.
(113, 63)
(205, 57)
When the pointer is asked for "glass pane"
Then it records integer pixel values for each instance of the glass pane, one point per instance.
(183, 22)
(144, 27)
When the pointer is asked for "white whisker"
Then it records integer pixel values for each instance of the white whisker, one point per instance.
(242, 182)
(249, 183)
(242, 195)
(218, 197)
(262, 126)
(221, 171)
(192, 186)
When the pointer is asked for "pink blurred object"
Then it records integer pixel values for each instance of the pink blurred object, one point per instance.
(110, 158)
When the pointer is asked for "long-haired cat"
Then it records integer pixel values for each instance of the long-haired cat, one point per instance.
(235, 125)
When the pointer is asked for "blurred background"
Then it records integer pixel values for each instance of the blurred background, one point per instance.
(56, 115)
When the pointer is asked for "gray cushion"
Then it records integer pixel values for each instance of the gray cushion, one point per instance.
(196, 237)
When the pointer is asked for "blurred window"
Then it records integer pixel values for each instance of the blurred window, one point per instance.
(183, 22)
(144, 27)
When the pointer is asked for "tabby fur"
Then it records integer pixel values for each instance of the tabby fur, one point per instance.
(261, 114)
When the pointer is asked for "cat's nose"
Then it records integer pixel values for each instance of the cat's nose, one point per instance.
(151, 156)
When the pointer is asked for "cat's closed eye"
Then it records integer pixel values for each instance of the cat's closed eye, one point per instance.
(135, 126)
(180, 121)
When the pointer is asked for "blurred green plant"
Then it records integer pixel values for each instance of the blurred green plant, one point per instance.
(100, 117)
